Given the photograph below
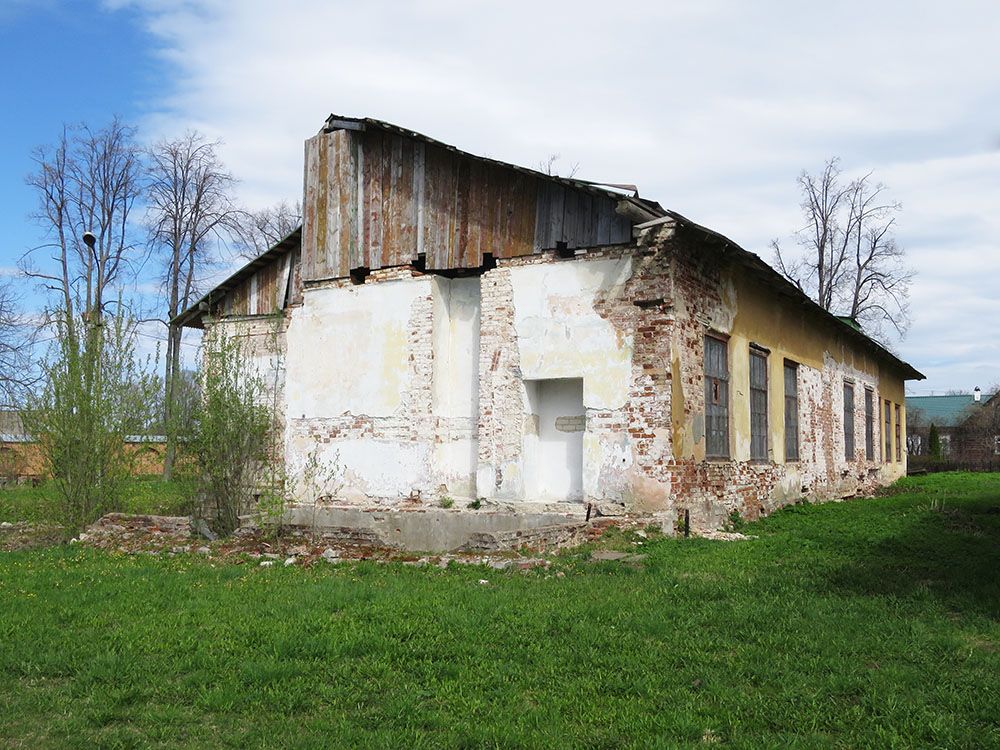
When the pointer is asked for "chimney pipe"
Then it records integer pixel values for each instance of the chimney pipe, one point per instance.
(977, 394)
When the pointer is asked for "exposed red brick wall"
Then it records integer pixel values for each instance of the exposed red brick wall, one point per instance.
(675, 294)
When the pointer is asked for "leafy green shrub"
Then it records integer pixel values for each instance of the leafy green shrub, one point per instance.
(231, 440)
(95, 393)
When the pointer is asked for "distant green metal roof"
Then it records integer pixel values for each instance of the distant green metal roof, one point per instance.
(944, 411)
(852, 322)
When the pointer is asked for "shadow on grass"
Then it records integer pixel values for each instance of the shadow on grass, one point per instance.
(948, 549)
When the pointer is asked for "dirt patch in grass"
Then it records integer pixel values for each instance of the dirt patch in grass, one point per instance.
(22, 535)
(986, 644)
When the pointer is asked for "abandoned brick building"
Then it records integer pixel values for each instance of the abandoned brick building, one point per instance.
(451, 326)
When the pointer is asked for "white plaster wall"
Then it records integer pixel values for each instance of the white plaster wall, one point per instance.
(456, 347)
(457, 306)
(383, 469)
(555, 472)
(349, 356)
(561, 335)
(347, 349)
(353, 352)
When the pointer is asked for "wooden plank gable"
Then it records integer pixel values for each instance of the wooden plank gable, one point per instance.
(378, 199)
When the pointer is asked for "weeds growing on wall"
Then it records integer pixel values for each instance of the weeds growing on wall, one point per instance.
(95, 393)
(312, 481)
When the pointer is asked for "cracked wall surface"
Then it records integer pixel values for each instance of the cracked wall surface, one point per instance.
(712, 295)
(423, 385)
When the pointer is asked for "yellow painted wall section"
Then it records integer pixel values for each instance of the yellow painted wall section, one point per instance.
(755, 314)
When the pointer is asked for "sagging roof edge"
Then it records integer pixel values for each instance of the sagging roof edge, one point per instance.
(619, 192)
(774, 278)
(191, 317)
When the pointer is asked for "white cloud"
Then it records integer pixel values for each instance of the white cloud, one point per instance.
(710, 107)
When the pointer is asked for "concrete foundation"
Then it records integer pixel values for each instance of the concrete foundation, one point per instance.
(439, 530)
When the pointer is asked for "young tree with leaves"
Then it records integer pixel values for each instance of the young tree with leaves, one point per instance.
(232, 436)
(95, 394)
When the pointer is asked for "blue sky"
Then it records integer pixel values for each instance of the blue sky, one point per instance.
(63, 62)
(712, 107)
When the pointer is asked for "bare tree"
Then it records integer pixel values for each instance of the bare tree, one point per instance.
(190, 209)
(18, 373)
(548, 166)
(848, 259)
(258, 231)
(88, 182)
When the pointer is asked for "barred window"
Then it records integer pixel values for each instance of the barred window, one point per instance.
(758, 405)
(716, 398)
(869, 424)
(899, 442)
(791, 411)
(888, 432)
(849, 421)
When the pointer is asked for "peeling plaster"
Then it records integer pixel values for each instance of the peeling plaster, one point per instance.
(421, 384)
(348, 349)
(560, 334)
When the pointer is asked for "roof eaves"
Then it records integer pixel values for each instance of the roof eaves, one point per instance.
(609, 189)
(191, 317)
(789, 289)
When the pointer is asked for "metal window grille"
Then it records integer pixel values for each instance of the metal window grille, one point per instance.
(716, 398)
(849, 421)
(758, 406)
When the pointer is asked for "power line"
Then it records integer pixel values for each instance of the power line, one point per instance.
(163, 340)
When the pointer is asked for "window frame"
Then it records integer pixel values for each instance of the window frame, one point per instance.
(717, 396)
(887, 441)
(898, 432)
(869, 424)
(791, 450)
(758, 452)
(850, 444)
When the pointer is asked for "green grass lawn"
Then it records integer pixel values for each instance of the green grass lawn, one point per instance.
(871, 623)
(149, 494)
